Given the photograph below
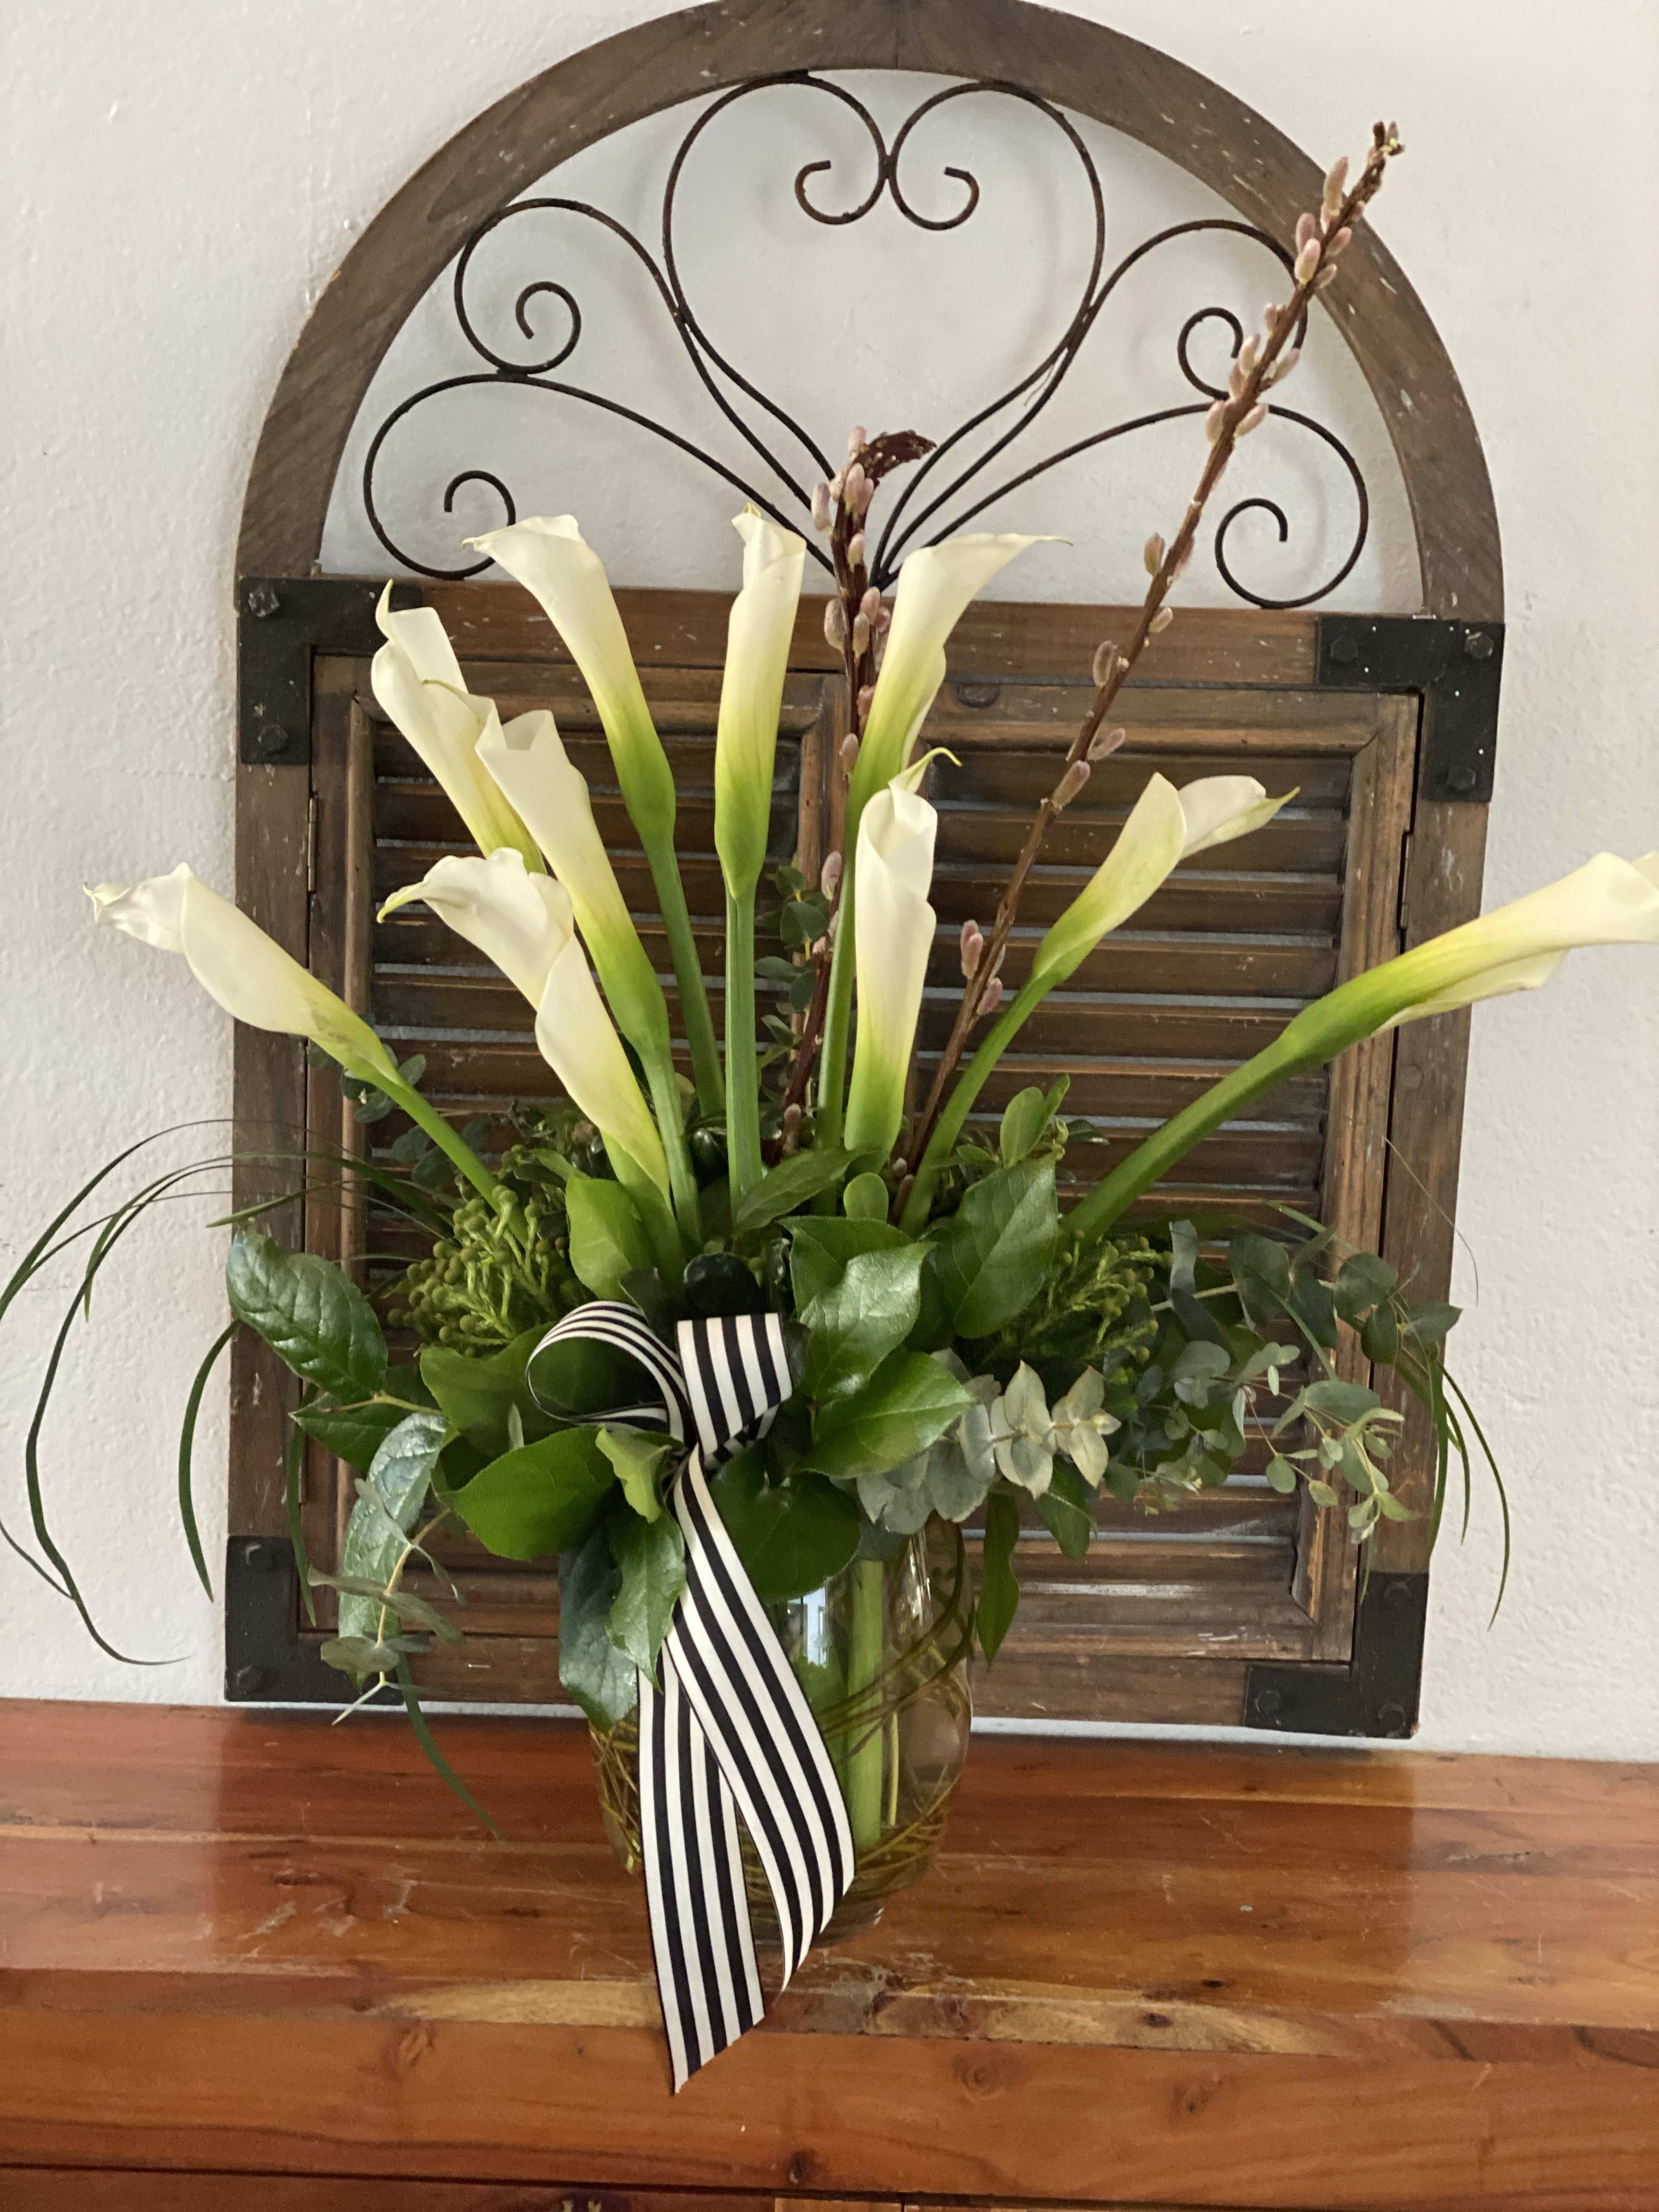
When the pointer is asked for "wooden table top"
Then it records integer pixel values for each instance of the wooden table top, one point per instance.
(247, 1943)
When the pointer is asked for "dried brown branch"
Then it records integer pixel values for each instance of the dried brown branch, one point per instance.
(1261, 362)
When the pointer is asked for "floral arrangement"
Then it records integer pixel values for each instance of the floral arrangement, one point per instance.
(958, 1350)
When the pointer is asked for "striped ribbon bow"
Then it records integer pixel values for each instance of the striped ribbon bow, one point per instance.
(729, 1732)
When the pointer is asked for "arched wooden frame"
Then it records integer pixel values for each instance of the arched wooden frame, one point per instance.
(1081, 66)
(1448, 657)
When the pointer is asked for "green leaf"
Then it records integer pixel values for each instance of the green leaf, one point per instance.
(1310, 1302)
(793, 1536)
(392, 1493)
(998, 1589)
(1430, 1321)
(866, 1198)
(607, 1237)
(1321, 1492)
(1343, 1402)
(908, 1404)
(821, 1244)
(1067, 1511)
(399, 1602)
(599, 1676)
(1260, 1267)
(1362, 1281)
(1024, 1118)
(538, 1500)
(856, 1315)
(1183, 1255)
(356, 1433)
(994, 1250)
(652, 1557)
(792, 1183)
(311, 1315)
(186, 1448)
(1280, 1475)
(479, 1394)
(1379, 1336)
(639, 1456)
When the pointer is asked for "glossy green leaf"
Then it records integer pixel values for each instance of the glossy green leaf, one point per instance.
(1066, 1510)
(538, 1500)
(640, 1457)
(857, 1315)
(1024, 1118)
(312, 1317)
(599, 1678)
(909, 1402)
(479, 1394)
(998, 1589)
(792, 1183)
(356, 1433)
(866, 1197)
(652, 1557)
(994, 1250)
(793, 1536)
(607, 1237)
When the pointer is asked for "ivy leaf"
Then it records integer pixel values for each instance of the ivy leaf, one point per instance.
(598, 1677)
(998, 1588)
(793, 1536)
(607, 1237)
(792, 1183)
(638, 1455)
(909, 1402)
(392, 1493)
(1067, 1511)
(994, 1250)
(652, 1557)
(541, 1499)
(481, 1395)
(312, 1317)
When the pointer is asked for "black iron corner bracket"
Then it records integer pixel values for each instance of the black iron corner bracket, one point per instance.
(1456, 667)
(266, 1658)
(281, 622)
(1375, 1694)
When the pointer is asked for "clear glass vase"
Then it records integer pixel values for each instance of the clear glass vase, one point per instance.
(882, 1654)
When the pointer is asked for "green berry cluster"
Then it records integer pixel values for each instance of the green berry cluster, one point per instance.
(1092, 1311)
(502, 1269)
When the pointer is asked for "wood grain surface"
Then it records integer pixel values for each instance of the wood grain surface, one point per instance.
(252, 1945)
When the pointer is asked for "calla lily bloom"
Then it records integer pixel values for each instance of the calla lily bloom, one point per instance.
(758, 636)
(527, 760)
(235, 963)
(895, 927)
(934, 588)
(549, 557)
(525, 924)
(418, 680)
(1607, 902)
(1164, 827)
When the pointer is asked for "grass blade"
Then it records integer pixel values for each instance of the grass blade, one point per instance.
(293, 1462)
(186, 1443)
(441, 1765)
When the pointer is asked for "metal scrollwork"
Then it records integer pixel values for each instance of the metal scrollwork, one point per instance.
(952, 487)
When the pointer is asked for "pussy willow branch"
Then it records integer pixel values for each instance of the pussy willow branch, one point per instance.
(1261, 362)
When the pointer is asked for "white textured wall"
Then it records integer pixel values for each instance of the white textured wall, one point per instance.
(180, 182)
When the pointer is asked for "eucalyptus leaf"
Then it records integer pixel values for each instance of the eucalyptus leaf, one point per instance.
(793, 1536)
(1430, 1321)
(607, 1239)
(652, 1557)
(528, 1503)
(995, 1250)
(599, 1678)
(1362, 1282)
(909, 1401)
(998, 1589)
(392, 1493)
(312, 1317)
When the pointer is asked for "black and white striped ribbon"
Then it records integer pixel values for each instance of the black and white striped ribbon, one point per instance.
(729, 1733)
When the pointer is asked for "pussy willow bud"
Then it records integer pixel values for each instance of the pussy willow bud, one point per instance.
(1270, 314)
(901, 1197)
(1307, 228)
(1237, 380)
(870, 604)
(866, 693)
(792, 1118)
(821, 506)
(1254, 419)
(829, 874)
(1152, 554)
(881, 618)
(1105, 660)
(1325, 279)
(1249, 353)
(1214, 419)
(1185, 561)
(1160, 621)
(1338, 242)
(861, 635)
(856, 437)
(1285, 364)
(835, 624)
(855, 549)
(849, 751)
(1307, 261)
(820, 945)
(992, 998)
(852, 488)
(1070, 784)
(972, 946)
(837, 484)
(1336, 183)
(1104, 742)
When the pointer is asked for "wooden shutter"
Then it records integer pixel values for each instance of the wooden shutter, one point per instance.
(1169, 1614)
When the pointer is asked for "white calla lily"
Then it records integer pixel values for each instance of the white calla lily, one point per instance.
(520, 921)
(527, 759)
(935, 584)
(1607, 902)
(579, 1041)
(235, 963)
(895, 927)
(417, 682)
(759, 637)
(1164, 827)
(549, 556)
